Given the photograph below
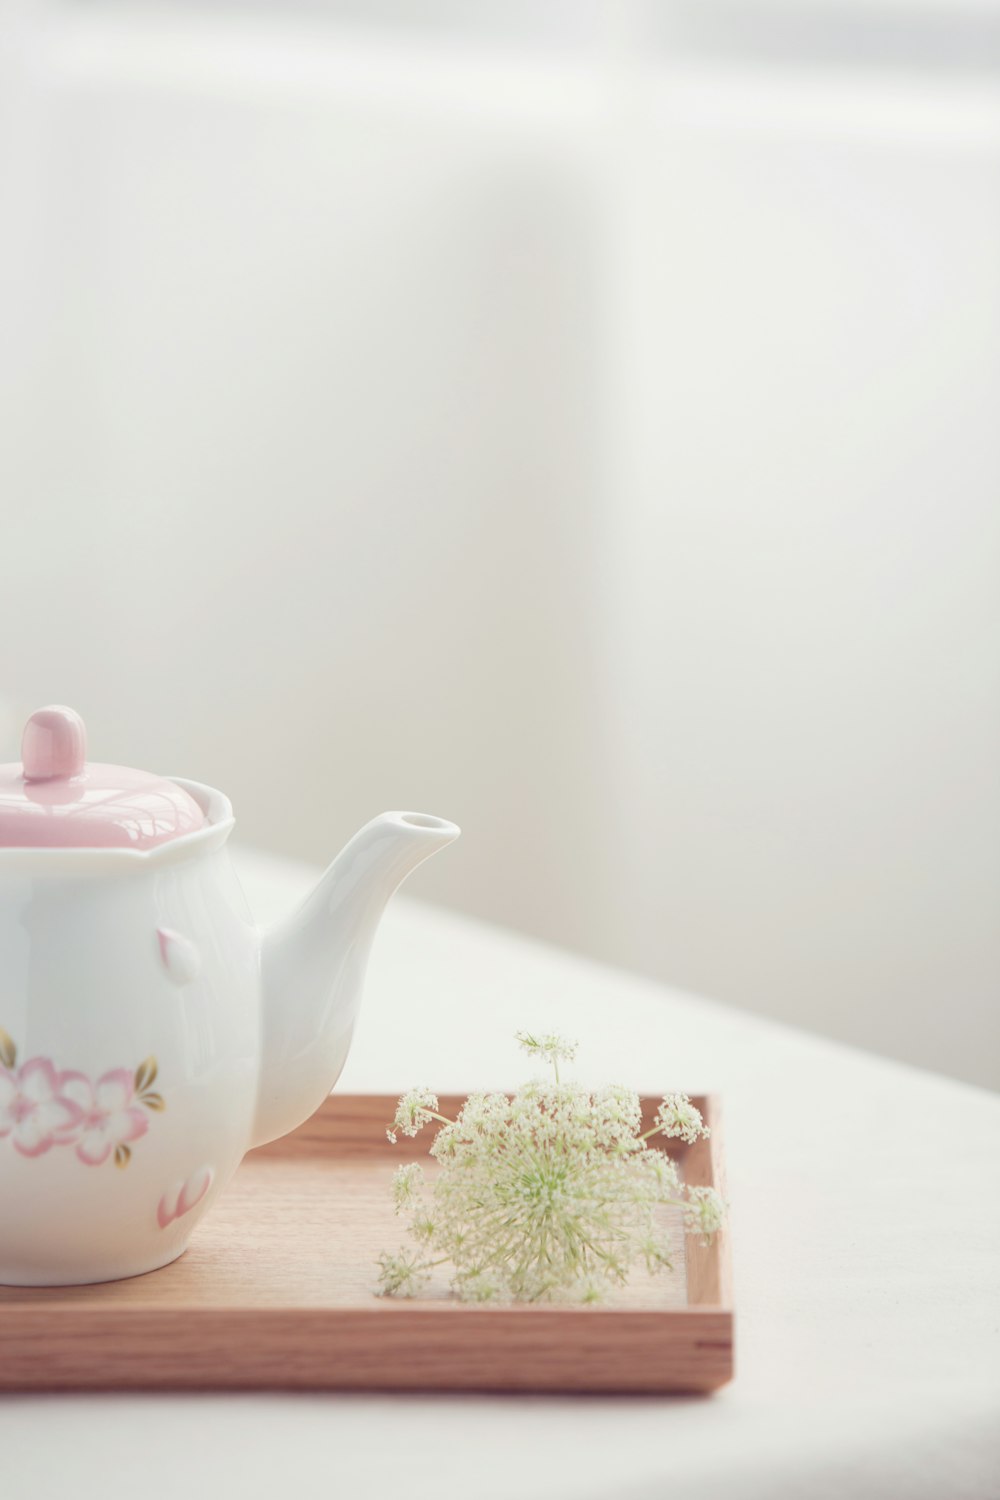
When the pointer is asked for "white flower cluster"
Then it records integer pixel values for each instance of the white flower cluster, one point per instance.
(677, 1116)
(401, 1275)
(414, 1110)
(705, 1212)
(553, 1048)
(549, 1195)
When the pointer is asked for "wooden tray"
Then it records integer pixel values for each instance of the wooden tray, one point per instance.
(276, 1293)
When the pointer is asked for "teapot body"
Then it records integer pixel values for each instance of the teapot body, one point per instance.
(130, 1037)
(150, 1035)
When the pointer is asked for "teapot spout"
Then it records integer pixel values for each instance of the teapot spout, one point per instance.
(313, 966)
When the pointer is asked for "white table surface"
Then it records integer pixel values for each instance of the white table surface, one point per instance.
(866, 1240)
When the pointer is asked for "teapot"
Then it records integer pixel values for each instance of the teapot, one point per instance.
(150, 1033)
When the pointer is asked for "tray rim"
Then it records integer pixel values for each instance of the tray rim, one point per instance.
(43, 1330)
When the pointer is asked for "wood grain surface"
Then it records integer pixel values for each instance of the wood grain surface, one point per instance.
(277, 1292)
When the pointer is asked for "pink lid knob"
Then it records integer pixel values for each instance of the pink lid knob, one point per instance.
(54, 744)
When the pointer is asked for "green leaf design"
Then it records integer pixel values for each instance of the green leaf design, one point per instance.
(153, 1101)
(145, 1075)
(8, 1052)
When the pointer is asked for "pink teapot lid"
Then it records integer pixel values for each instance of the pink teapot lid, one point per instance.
(54, 798)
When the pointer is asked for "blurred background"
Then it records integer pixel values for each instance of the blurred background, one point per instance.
(580, 420)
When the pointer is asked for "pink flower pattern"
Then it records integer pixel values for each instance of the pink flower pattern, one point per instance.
(108, 1116)
(32, 1110)
(40, 1107)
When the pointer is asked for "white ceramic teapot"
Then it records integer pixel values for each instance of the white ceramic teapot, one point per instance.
(149, 1033)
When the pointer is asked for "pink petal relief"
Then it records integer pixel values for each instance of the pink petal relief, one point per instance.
(181, 1197)
(178, 955)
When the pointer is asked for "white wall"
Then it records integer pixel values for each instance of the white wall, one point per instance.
(806, 613)
(597, 449)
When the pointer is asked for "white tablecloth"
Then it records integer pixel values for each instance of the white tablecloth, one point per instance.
(866, 1240)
